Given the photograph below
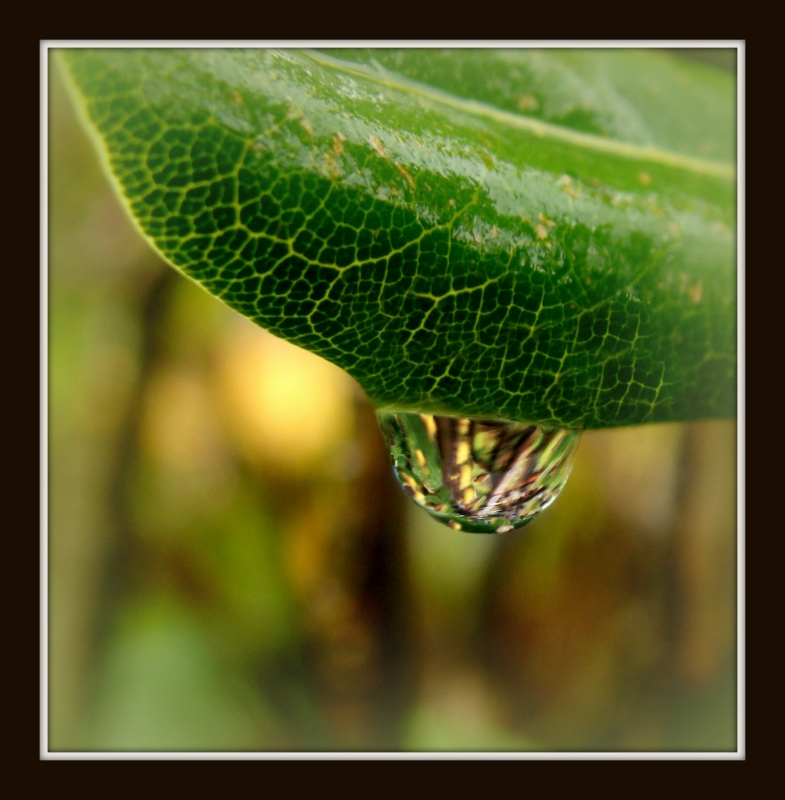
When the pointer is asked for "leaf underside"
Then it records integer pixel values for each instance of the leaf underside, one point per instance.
(531, 235)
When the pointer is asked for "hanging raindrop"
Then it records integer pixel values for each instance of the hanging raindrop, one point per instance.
(476, 475)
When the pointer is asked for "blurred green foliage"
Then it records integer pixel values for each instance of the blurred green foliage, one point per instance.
(232, 567)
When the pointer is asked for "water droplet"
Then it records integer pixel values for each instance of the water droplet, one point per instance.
(477, 475)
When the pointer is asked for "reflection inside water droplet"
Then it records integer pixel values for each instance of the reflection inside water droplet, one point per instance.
(482, 476)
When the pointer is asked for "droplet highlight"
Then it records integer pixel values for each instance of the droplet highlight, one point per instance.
(478, 475)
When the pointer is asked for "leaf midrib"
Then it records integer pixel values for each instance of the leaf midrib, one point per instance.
(543, 130)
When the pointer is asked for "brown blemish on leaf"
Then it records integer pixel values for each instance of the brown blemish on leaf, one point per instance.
(236, 97)
(333, 168)
(337, 145)
(406, 175)
(306, 124)
(378, 146)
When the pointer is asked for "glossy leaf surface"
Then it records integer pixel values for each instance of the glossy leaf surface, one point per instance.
(542, 236)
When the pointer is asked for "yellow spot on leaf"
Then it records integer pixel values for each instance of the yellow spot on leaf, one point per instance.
(528, 102)
(236, 96)
(566, 184)
(337, 145)
(542, 231)
(696, 292)
(644, 178)
(545, 221)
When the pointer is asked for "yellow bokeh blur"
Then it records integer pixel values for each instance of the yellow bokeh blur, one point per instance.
(283, 406)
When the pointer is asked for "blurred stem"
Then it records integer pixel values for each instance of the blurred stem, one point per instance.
(706, 540)
(357, 607)
(122, 559)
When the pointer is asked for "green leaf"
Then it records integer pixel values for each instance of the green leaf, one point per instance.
(532, 235)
